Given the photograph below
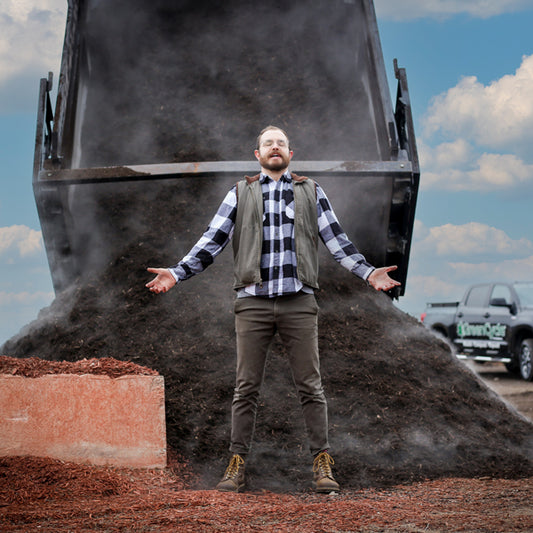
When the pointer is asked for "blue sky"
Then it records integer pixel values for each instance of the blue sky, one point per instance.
(470, 72)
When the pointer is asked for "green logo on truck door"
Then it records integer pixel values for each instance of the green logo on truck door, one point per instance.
(492, 331)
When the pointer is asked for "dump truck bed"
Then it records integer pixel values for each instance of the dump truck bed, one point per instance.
(179, 89)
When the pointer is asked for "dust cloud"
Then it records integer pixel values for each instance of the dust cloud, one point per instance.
(196, 80)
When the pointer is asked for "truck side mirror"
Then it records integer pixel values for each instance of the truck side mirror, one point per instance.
(502, 302)
(498, 302)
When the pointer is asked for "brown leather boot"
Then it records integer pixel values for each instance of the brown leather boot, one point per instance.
(233, 479)
(323, 477)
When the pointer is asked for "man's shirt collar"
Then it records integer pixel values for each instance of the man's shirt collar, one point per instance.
(285, 177)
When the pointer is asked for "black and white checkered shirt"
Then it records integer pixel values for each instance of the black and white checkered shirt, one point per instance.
(278, 258)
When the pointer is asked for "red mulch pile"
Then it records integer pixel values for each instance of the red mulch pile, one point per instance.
(34, 367)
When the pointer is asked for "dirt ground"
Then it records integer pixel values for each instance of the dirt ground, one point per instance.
(517, 392)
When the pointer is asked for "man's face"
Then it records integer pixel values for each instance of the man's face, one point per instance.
(274, 153)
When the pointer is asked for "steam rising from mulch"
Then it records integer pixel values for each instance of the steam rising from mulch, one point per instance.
(402, 407)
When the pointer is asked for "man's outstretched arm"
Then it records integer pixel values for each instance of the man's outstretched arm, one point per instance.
(203, 253)
(345, 252)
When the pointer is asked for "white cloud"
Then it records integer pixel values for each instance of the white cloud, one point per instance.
(497, 171)
(19, 241)
(428, 288)
(19, 308)
(458, 152)
(25, 298)
(468, 240)
(420, 231)
(508, 270)
(448, 284)
(455, 166)
(498, 116)
(480, 120)
(432, 286)
(31, 35)
(414, 9)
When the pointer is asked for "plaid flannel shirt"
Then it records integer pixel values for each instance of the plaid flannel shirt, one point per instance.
(278, 258)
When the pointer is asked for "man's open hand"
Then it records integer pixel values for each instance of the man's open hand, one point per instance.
(163, 282)
(380, 279)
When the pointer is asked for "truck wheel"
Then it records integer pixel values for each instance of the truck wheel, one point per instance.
(525, 358)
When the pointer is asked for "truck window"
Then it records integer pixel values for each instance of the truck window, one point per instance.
(525, 293)
(477, 297)
(503, 292)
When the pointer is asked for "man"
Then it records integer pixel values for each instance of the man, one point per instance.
(275, 219)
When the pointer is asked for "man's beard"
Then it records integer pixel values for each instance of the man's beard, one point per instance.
(277, 163)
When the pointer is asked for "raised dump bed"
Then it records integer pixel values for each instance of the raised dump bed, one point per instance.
(178, 90)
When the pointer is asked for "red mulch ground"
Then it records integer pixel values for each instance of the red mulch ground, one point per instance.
(51, 496)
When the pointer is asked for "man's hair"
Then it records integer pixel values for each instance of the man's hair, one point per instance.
(268, 128)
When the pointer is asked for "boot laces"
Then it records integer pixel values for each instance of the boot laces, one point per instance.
(233, 468)
(322, 464)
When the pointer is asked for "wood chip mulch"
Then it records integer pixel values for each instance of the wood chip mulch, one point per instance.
(34, 367)
(52, 496)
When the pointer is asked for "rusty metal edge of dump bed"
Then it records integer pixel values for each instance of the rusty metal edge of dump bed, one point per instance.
(352, 169)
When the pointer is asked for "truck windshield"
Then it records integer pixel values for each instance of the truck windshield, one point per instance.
(525, 293)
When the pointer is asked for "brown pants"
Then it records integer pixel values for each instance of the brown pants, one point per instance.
(257, 320)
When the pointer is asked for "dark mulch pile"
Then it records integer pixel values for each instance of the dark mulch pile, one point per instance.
(402, 408)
